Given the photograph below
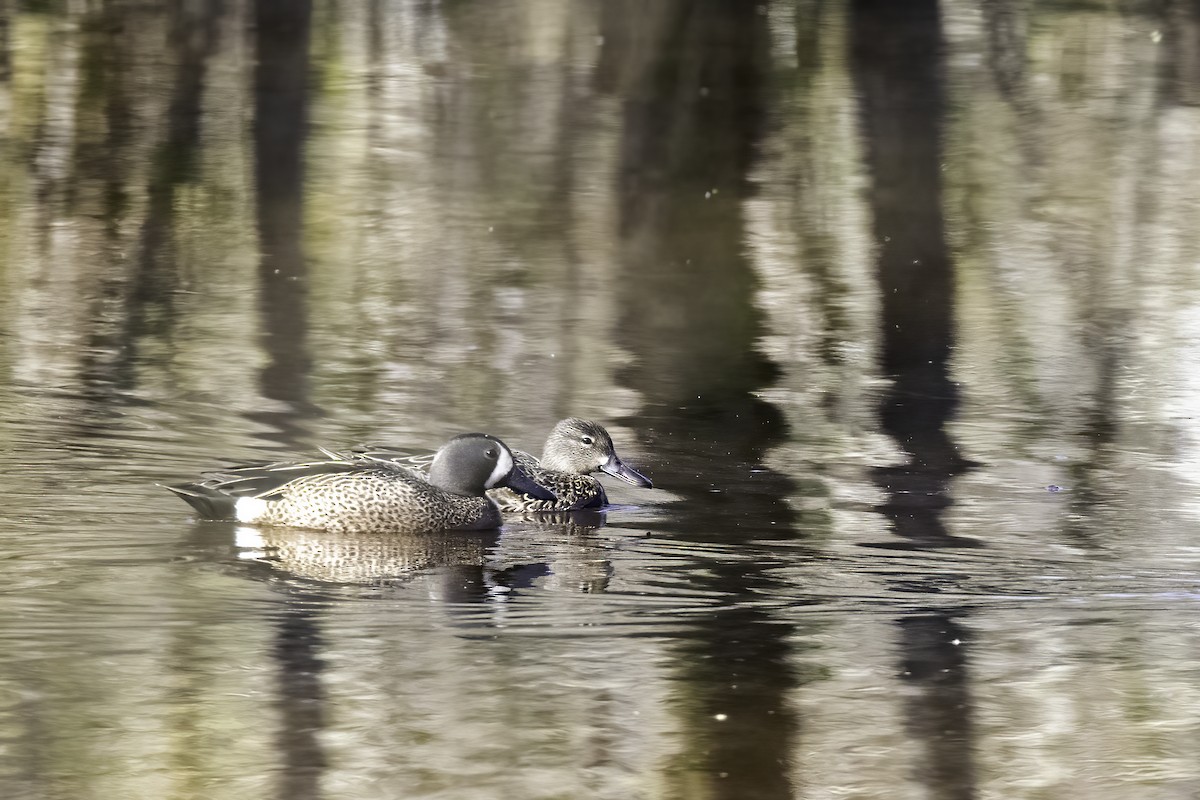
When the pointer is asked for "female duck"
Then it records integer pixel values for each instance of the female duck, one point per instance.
(368, 496)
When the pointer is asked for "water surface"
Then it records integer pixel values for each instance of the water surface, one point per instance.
(898, 305)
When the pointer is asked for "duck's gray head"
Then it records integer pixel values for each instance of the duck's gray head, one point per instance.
(581, 446)
(472, 463)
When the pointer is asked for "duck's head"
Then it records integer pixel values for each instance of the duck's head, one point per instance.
(472, 463)
(582, 447)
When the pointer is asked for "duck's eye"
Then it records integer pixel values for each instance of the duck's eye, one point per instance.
(587, 440)
(491, 453)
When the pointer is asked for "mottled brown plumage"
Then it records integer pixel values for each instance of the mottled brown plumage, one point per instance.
(354, 494)
(571, 490)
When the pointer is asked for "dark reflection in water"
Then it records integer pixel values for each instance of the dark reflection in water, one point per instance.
(687, 308)
(300, 701)
(193, 36)
(6, 9)
(1181, 69)
(692, 113)
(898, 70)
(101, 161)
(282, 30)
(693, 116)
(939, 713)
(131, 315)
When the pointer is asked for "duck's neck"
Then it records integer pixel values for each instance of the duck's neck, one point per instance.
(551, 462)
(448, 481)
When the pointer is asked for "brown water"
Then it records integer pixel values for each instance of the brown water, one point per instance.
(898, 304)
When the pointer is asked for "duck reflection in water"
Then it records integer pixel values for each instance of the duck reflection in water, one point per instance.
(469, 565)
(362, 558)
(367, 495)
(576, 560)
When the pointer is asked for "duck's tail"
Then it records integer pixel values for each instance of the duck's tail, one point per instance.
(208, 502)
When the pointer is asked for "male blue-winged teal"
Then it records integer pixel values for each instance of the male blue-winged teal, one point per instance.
(364, 495)
(574, 449)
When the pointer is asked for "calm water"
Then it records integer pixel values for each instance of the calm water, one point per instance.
(898, 304)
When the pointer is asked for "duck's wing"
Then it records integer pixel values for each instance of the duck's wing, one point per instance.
(215, 494)
(269, 481)
(570, 491)
(383, 454)
(529, 463)
(420, 462)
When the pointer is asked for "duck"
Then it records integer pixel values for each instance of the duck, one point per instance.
(365, 495)
(575, 449)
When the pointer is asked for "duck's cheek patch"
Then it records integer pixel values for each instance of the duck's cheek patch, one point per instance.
(249, 509)
(504, 465)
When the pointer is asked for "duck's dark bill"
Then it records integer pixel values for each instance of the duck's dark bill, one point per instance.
(518, 481)
(618, 469)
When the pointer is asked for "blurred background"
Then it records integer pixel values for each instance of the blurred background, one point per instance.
(897, 303)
